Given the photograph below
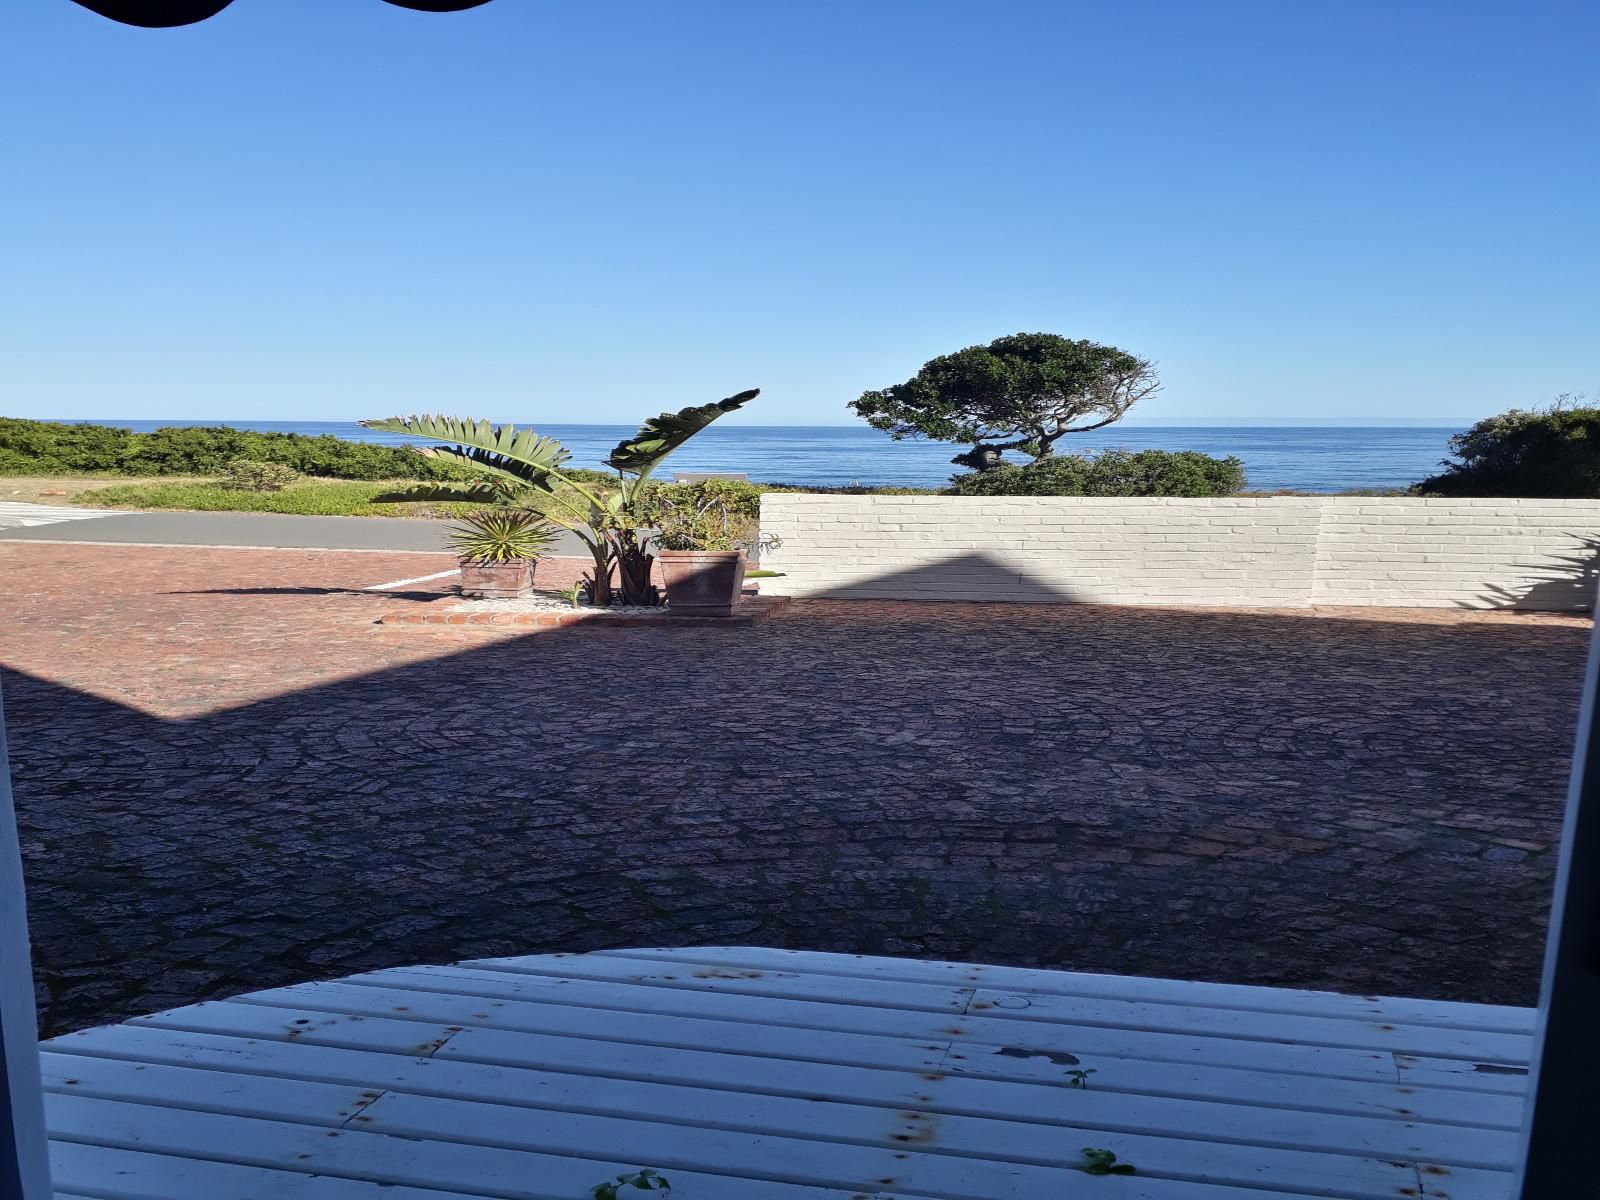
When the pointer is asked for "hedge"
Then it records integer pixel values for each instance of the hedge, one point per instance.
(1109, 473)
(51, 448)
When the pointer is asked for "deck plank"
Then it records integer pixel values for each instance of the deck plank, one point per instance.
(789, 1076)
(760, 1012)
(773, 1075)
(1355, 1033)
(1003, 1120)
(505, 1158)
(1444, 1013)
(122, 1173)
(359, 1160)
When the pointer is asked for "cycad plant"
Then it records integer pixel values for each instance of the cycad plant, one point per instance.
(501, 535)
(518, 464)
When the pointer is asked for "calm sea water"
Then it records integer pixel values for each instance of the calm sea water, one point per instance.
(1301, 458)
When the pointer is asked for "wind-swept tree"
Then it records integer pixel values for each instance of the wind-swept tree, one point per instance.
(1024, 392)
(518, 464)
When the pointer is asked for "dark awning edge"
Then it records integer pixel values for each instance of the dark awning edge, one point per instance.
(165, 14)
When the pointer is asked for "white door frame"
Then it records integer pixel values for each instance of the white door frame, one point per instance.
(1558, 1130)
(24, 1162)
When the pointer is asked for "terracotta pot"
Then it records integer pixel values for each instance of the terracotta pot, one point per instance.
(702, 583)
(485, 580)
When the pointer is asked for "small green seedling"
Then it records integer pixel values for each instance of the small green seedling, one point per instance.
(1104, 1162)
(645, 1181)
(1080, 1079)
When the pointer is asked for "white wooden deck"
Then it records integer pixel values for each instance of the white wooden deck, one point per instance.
(747, 1074)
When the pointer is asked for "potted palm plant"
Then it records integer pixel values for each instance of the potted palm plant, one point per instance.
(520, 465)
(703, 532)
(499, 548)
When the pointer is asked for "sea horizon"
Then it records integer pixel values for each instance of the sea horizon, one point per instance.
(1299, 457)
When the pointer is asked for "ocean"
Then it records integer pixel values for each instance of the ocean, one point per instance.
(1300, 458)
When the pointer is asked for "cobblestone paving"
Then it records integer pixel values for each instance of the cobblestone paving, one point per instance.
(228, 778)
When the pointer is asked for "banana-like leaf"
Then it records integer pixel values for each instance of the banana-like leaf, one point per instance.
(504, 450)
(661, 435)
(504, 470)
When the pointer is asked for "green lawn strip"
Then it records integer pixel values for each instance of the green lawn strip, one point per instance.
(308, 497)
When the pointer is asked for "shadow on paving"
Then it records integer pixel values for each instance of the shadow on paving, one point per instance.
(311, 591)
(1255, 797)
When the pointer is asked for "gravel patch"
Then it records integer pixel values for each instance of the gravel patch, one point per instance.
(552, 602)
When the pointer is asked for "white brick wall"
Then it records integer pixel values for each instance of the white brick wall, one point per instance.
(1458, 553)
(1281, 551)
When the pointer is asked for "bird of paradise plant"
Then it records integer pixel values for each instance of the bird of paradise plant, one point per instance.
(517, 464)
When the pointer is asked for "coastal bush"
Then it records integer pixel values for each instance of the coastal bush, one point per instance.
(1550, 453)
(711, 514)
(46, 448)
(53, 448)
(849, 489)
(247, 475)
(1109, 473)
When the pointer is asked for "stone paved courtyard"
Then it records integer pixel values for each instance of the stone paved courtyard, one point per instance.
(229, 778)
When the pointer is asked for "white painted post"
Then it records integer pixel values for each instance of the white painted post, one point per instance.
(1558, 1155)
(24, 1162)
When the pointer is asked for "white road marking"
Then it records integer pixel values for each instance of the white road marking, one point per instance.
(384, 587)
(19, 514)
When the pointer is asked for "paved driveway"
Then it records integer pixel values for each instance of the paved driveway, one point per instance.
(229, 778)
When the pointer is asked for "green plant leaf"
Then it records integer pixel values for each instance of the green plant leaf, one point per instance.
(501, 535)
(660, 436)
(504, 450)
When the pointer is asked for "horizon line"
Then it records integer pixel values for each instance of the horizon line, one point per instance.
(1204, 423)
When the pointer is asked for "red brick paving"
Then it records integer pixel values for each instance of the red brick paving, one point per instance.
(229, 777)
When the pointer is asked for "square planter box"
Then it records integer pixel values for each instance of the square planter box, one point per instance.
(508, 580)
(702, 583)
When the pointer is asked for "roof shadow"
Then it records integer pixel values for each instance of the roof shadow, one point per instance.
(976, 577)
(907, 779)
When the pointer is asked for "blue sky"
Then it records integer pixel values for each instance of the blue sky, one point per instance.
(332, 209)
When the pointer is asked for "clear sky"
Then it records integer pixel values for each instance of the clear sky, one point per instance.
(333, 209)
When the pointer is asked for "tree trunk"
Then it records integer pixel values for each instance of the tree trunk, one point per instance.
(599, 580)
(634, 565)
(980, 458)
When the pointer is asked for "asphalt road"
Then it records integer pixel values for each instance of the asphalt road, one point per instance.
(257, 530)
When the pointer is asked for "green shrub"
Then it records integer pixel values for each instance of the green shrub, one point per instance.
(713, 514)
(46, 448)
(246, 475)
(1109, 473)
(849, 489)
(51, 448)
(1551, 453)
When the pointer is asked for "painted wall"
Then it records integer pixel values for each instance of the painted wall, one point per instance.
(1281, 551)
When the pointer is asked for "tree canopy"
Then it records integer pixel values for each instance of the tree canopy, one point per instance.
(1552, 452)
(1023, 392)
